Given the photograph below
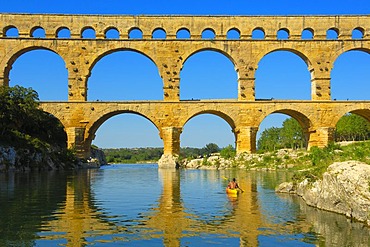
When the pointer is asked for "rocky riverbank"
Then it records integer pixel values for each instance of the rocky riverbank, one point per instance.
(24, 159)
(281, 159)
(344, 189)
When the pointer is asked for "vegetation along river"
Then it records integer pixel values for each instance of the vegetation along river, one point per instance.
(141, 205)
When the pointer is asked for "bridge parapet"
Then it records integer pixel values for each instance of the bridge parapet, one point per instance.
(317, 118)
(343, 25)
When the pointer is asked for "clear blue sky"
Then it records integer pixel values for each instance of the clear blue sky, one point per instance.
(276, 71)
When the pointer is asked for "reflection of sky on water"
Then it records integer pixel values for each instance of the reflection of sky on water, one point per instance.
(125, 195)
(275, 209)
(139, 205)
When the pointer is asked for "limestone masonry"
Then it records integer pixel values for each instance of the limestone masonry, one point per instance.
(82, 118)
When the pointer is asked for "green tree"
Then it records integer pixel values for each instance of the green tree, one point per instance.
(228, 152)
(24, 126)
(352, 127)
(269, 140)
(211, 148)
(292, 134)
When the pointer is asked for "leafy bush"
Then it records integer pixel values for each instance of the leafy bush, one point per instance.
(228, 152)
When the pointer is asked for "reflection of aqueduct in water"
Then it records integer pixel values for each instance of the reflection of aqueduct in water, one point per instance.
(81, 118)
(79, 222)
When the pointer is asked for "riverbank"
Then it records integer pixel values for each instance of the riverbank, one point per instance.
(53, 158)
(344, 188)
(304, 163)
(335, 178)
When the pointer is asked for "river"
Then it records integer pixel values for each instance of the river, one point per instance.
(141, 205)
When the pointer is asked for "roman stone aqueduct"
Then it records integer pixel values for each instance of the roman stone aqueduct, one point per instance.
(82, 118)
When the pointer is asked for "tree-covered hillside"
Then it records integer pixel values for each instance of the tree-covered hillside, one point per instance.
(37, 138)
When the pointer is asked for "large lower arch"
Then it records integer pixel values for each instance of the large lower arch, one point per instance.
(91, 130)
(54, 73)
(124, 74)
(301, 118)
(353, 126)
(208, 117)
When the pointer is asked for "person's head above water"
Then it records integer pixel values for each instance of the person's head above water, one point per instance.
(234, 179)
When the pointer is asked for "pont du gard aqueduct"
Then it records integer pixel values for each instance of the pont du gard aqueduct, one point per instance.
(82, 118)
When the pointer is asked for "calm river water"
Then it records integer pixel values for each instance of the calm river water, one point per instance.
(139, 205)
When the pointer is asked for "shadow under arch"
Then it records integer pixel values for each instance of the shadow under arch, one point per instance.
(92, 129)
(301, 118)
(300, 54)
(365, 113)
(96, 59)
(220, 114)
(10, 60)
(194, 52)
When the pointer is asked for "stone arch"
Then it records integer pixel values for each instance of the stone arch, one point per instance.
(332, 33)
(60, 30)
(358, 33)
(233, 34)
(109, 30)
(11, 58)
(88, 29)
(297, 52)
(258, 33)
(8, 28)
(301, 118)
(96, 59)
(223, 55)
(183, 32)
(354, 109)
(334, 87)
(365, 113)
(308, 34)
(106, 53)
(37, 29)
(228, 120)
(208, 32)
(193, 52)
(225, 116)
(99, 120)
(362, 112)
(61, 120)
(56, 112)
(283, 34)
(132, 31)
(159, 33)
(307, 89)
